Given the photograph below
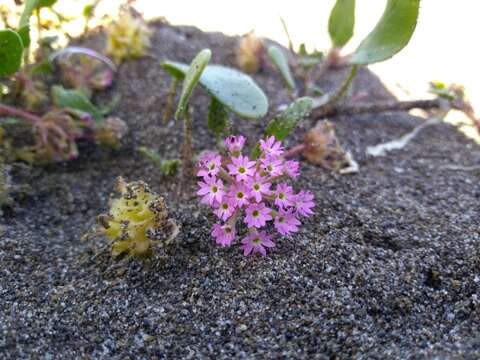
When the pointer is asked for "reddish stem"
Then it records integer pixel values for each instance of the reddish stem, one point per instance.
(11, 111)
(294, 151)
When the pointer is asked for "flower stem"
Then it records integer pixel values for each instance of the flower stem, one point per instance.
(340, 92)
(187, 153)
(172, 90)
(297, 149)
(11, 111)
(223, 174)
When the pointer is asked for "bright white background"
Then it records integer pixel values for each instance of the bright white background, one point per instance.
(444, 46)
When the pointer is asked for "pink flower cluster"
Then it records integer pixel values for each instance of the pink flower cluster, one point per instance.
(237, 186)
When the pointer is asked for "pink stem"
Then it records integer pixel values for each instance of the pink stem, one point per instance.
(11, 111)
(298, 149)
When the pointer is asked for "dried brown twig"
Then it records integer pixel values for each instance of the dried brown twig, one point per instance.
(336, 109)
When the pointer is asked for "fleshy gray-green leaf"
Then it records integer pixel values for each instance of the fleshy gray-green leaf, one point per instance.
(11, 49)
(283, 124)
(192, 76)
(74, 99)
(391, 34)
(235, 90)
(341, 22)
(217, 116)
(279, 60)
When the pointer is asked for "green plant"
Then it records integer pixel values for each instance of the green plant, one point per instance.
(229, 90)
(278, 58)
(166, 167)
(57, 117)
(390, 35)
(84, 69)
(341, 22)
(137, 221)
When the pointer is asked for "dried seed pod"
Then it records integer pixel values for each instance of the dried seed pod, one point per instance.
(248, 53)
(137, 220)
(110, 132)
(323, 148)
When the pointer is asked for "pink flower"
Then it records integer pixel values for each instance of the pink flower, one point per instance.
(239, 195)
(241, 167)
(223, 234)
(212, 190)
(225, 209)
(303, 203)
(256, 243)
(271, 147)
(290, 168)
(286, 222)
(284, 196)
(240, 189)
(272, 166)
(210, 165)
(258, 187)
(235, 144)
(257, 215)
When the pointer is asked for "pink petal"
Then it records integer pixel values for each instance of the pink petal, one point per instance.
(268, 243)
(247, 249)
(261, 250)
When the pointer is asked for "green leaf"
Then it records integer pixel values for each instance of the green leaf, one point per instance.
(74, 99)
(44, 67)
(8, 121)
(341, 22)
(279, 60)
(283, 124)
(440, 89)
(166, 167)
(235, 90)
(217, 116)
(391, 34)
(88, 11)
(309, 59)
(191, 79)
(30, 5)
(169, 167)
(46, 3)
(24, 33)
(177, 70)
(11, 49)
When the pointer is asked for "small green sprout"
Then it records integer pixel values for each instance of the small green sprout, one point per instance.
(278, 59)
(137, 221)
(451, 92)
(167, 167)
